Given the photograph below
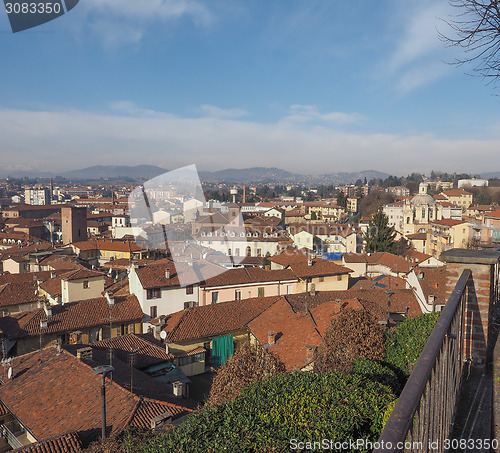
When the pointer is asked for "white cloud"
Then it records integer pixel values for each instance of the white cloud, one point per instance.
(308, 113)
(217, 112)
(418, 58)
(61, 140)
(122, 22)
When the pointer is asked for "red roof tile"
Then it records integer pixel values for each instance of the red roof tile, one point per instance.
(67, 443)
(294, 331)
(73, 316)
(215, 320)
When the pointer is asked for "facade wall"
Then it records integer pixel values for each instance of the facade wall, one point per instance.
(226, 294)
(73, 290)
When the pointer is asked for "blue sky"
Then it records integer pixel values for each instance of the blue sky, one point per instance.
(312, 86)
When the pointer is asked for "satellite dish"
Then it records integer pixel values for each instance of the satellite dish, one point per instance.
(9, 373)
(163, 335)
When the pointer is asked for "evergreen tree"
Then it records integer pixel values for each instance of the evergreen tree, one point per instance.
(380, 236)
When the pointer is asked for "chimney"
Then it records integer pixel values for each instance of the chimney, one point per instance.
(110, 300)
(167, 273)
(309, 261)
(48, 311)
(271, 337)
(431, 299)
(84, 353)
(338, 303)
(310, 353)
(53, 274)
(167, 349)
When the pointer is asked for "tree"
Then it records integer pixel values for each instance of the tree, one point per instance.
(249, 364)
(380, 236)
(350, 335)
(341, 200)
(476, 29)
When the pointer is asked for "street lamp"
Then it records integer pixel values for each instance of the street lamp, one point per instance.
(103, 370)
(389, 294)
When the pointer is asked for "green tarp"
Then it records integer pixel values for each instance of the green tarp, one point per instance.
(222, 348)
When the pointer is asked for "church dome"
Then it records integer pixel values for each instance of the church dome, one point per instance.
(423, 199)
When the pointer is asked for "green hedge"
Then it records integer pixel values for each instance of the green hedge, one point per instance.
(405, 343)
(303, 406)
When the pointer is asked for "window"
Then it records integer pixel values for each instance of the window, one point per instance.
(321, 279)
(289, 289)
(259, 252)
(261, 291)
(215, 297)
(339, 278)
(249, 251)
(85, 284)
(153, 311)
(153, 293)
(237, 295)
(237, 252)
(189, 289)
(131, 328)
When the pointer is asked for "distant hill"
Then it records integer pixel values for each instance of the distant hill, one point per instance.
(255, 175)
(491, 175)
(115, 171)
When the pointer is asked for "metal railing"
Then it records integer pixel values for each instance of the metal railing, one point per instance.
(424, 414)
(10, 437)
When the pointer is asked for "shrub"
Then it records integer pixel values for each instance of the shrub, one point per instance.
(249, 364)
(378, 372)
(302, 406)
(350, 335)
(405, 343)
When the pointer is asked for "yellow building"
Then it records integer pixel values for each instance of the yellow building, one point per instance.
(459, 197)
(447, 234)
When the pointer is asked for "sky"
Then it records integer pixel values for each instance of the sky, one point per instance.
(309, 86)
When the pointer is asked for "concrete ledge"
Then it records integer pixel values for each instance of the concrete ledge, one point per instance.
(468, 256)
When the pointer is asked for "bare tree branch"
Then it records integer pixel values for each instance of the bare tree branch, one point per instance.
(476, 29)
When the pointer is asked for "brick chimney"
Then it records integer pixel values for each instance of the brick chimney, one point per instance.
(310, 353)
(271, 337)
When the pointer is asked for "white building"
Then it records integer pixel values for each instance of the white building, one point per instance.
(472, 183)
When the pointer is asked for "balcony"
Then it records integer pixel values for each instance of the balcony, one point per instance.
(449, 395)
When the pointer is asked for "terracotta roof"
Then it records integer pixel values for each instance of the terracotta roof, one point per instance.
(18, 293)
(249, 275)
(384, 282)
(448, 222)
(433, 282)
(294, 331)
(216, 319)
(153, 276)
(289, 257)
(53, 393)
(322, 314)
(494, 214)
(373, 299)
(417, 236)
(146, 352)
(415, 257)
(73, 316)
(60, 262)
(318, 268)
(456, 193)
(394, 262)
(80, 274)
(52, 287)
(67, 443)
(114, 246)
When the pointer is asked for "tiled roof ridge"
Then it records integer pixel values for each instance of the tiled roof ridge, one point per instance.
(111, 381)
(172, 333)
